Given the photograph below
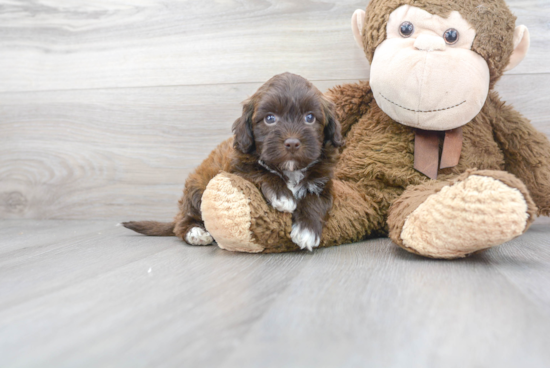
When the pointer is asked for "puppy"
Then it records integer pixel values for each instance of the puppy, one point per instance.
(286, 143)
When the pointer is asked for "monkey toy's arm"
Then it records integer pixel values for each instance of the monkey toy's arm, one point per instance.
(526, 151)
(352, 101)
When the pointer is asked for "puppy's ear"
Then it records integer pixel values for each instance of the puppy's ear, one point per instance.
(333, 130)
(242, 129)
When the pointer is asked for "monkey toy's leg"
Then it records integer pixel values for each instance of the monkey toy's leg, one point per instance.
(238, 217)
(456, 217)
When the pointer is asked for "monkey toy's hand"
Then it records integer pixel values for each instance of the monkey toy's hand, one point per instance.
(279, 196)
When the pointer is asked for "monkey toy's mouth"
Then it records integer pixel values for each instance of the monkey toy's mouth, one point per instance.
(421, 111)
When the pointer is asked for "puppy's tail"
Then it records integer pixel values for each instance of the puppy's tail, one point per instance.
(151, 228)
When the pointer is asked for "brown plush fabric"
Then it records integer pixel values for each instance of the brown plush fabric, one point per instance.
(269, 227)
(379, 153)
(526, 150)
(350, 215)
(415, 196)
(376, 167)
(513, 182)
(376, 188)
(409, 201)
(492, 19)
(375, 176)
(353, 102)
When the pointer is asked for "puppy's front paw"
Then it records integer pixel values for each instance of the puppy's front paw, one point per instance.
(304, 238)
(283, 204)
(198, 236)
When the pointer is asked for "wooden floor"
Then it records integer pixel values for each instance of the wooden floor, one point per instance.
(107, 106)
(91, 294)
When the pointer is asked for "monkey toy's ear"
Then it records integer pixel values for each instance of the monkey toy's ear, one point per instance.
(357, 23)
(242, 129)
(521, 46)
(333, 130)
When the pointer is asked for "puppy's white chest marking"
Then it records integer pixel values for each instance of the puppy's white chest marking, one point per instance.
(293, 183)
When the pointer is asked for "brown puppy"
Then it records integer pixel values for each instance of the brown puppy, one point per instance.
(286, 143)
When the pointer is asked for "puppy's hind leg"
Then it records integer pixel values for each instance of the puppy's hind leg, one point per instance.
(189, 225)
(191, 230)
(198, 236)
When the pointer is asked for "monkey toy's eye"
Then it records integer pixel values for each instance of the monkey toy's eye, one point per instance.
(406, 29)
(310, 118)
(270, 119)
(451, 36)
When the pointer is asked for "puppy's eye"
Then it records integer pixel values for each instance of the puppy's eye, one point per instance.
(451, 36)
(310, 118)
(406, 29)
(270, 119)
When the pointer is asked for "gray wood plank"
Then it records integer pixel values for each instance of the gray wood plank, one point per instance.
(117, 299)
(34, 238)
(127, 300)
(66, 261)
(527, 264)
(375, 305)
(117, 153)
(50, 45)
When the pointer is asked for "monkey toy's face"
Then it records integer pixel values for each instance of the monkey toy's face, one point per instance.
(425, 74)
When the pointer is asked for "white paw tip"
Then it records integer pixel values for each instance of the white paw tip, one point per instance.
(284, 204)
(198, 236)
(304, 238)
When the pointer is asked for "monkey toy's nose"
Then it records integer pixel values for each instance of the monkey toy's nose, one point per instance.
(430, 43)
(292, 144)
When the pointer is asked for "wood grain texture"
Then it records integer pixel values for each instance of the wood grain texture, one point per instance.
(52, 45)
(101, 296)
(106, 106)
(117, 153)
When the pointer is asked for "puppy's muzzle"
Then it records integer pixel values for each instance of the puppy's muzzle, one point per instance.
(292, 145)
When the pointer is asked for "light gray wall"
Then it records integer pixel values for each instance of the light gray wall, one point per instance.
(106, 106)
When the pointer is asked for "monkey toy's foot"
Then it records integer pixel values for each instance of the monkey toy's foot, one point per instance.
(453, 219)
(238, 217)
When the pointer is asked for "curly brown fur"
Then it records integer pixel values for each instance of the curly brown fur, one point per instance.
(353, 102)
(290, 160)
(526, 150)
(379, 155)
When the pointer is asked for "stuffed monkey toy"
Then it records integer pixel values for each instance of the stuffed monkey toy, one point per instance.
(432, 157)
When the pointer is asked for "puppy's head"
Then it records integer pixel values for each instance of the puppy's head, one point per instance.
(287, 123)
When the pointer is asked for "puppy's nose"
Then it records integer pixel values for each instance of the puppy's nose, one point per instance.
(292, 144)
